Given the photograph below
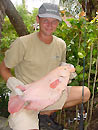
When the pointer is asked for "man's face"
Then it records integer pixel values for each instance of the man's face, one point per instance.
(47, 25)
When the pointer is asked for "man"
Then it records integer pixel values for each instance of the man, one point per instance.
(33, 56)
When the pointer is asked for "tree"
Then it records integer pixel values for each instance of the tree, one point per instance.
(2, 13)
(92, 6)
(24, 3)
(72, 7)
(14, 17)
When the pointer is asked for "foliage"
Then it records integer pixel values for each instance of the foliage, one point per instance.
(76, 6)
(79, 39)
(82, 51)
(71, 6)
(4, 96)
(8, 35)
(28, 18)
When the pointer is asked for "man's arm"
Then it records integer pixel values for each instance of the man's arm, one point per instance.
(4, 71)
(12, 82)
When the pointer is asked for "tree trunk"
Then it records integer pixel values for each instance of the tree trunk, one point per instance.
(14, 17)
(2, 13)
(92, 7)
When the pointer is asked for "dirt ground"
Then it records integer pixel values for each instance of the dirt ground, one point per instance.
(68, 117)
(94, 122)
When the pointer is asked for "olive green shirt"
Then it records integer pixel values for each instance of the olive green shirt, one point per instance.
(32, 58)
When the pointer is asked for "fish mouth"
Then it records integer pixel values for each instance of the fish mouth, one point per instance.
(26, 103)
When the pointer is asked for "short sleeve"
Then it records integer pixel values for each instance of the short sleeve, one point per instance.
(14, 55)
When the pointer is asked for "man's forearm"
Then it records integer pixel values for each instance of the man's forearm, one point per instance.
(4, 71)
(12, 82)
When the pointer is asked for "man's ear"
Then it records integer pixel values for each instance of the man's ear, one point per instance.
(37, 19)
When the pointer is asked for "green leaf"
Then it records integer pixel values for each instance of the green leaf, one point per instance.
(79, 69)
(81, 53)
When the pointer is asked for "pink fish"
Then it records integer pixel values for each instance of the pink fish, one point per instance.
(42, 93)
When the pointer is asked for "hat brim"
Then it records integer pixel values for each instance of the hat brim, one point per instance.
(50, 16)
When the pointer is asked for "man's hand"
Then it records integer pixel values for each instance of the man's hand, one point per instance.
(12, 84)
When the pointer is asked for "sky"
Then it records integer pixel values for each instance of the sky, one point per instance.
(30, 4)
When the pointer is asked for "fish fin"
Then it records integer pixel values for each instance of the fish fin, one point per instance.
(15, 104)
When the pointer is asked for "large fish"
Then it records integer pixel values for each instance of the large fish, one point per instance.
(42, 93)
